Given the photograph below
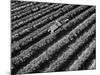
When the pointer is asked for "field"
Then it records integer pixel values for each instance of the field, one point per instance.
(34, 49)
